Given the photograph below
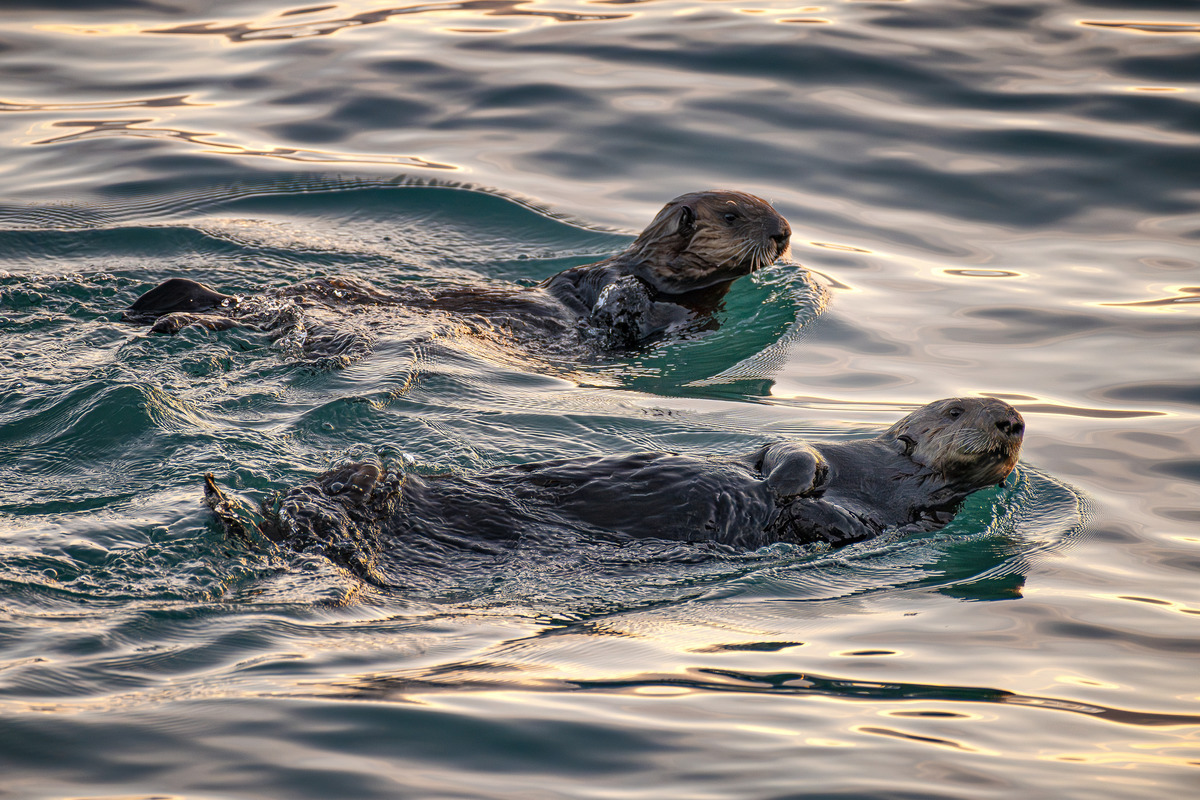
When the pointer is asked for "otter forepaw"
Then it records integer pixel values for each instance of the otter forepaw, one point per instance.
(354, 480)
(619, 312)
(792, 470)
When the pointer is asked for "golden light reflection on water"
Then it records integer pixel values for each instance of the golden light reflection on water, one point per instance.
(661, 691)
(815, 742)
(1166, 605)
(844, 247)
(984, 273)
(1089, 683)
(766, 730)
(1127, 760)
(1177, 89)
(273, 29)
(123, 29)
(92, 129)
(1183, 296)
(1093, 413)
(170, 411)
(146, 102)
(1154, 28)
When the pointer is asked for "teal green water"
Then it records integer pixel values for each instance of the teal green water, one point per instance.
(987, 198)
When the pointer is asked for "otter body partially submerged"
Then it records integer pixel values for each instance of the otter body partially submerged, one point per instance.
(910, 478)
(676, 271)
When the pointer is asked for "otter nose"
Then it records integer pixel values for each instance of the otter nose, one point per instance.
(1011, 427)
(781, 235)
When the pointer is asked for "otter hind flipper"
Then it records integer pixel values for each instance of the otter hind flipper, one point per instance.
(233, 514)
(176, 294)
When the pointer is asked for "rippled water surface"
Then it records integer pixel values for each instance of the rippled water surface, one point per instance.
(988, 198)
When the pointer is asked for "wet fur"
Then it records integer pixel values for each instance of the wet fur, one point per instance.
(910, 478)
(676, 271)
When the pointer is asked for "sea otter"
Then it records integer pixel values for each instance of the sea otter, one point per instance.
(910, 478)
(676, 271)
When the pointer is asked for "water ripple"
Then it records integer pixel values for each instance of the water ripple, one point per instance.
(148, 102)
(259, 31)
(988, 198)
(1145, 27)
(130, 127)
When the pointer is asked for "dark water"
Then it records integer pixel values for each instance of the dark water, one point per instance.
(988, 198)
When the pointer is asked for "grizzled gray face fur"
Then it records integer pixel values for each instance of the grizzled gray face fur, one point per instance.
(971, 441)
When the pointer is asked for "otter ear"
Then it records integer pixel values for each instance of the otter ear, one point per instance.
(687, 221)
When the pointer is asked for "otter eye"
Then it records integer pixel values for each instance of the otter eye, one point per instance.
(954, 413)
(730, 216)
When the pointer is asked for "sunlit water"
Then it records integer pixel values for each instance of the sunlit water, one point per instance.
(988, 197)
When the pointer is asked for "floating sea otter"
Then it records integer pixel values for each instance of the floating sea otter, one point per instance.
(910, 478)
(675, 272)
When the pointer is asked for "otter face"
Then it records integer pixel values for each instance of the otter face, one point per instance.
(970, 441)
(705, 238)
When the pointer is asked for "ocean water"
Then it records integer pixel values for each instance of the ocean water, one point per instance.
(994, 198)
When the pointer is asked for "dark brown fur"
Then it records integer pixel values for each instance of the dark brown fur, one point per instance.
(910, 478)
(677, 270)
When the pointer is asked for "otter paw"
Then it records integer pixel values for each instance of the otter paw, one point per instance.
(353, 480)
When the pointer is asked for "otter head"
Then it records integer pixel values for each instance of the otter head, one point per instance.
(705, 238)
(972, 442)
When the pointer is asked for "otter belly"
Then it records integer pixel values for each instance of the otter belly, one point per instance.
(354, 512)
(650, 495)
(359, 509)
